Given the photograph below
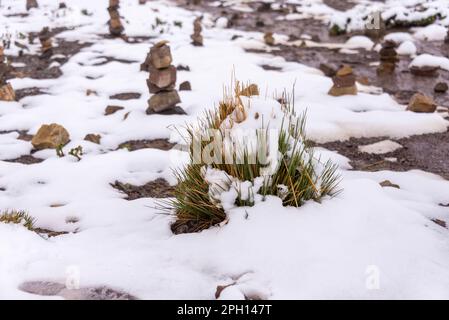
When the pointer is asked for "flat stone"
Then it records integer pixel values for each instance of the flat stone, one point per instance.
(50, 137)
(421, 103)
(112, 109)
(172, 111)
(163, 100)
(388, 183)
(425, 71)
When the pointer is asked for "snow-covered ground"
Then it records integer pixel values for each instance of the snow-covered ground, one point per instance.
(368, 242)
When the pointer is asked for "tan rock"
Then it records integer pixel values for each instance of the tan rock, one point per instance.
(269, 39)
(50, 136)
(336, 92)
(421, 103)
(160, 55)
(7, 93)
(344, 71)
(163, 101)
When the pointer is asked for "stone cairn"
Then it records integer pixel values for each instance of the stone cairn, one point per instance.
(115, 25)
(46, 44)
(162, 80)
(6, 91)
(197, 38)
(446, 40)
(31, 4)
(388, 58)
(344, 82)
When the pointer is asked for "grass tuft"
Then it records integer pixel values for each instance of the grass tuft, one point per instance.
(17, 217)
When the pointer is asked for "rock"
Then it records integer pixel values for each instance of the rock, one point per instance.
(336, 92)
(182, 67)
(62, 5)
(163, 78)
(269, 39)
(163, 101)
(160, 55)
(439, 222)
(344, 82)
(92, 137)
(31, 4)
(251, 90)
(115, 25)
(46, 44)
(425, 71)
(344, 71)
(112, 109)
(387, 183)
(50, 136)
(421, 103)
(440, 87)
(328, 70)
(388, 58)
(7, 93)
(185, 86)
(197, 38)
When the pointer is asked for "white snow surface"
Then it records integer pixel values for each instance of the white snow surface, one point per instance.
(321, 250)
(381, 147)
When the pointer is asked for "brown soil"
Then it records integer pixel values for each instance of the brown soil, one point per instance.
(428, 152)
(158, 188)
(133, 145)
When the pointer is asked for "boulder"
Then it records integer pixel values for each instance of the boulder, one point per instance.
(50, 136)
(336, 92)
(31, 4)
(163, 101)
(421, 103)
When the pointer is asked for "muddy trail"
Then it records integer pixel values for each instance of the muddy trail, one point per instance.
(426, 152)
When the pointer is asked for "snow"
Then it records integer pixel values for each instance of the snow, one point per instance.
(431, 33)
(431, 61)
(321, 250)
(406, 48)
(381, 147)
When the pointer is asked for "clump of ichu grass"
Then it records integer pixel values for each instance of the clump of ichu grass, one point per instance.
(298, 176)
(17, 217)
